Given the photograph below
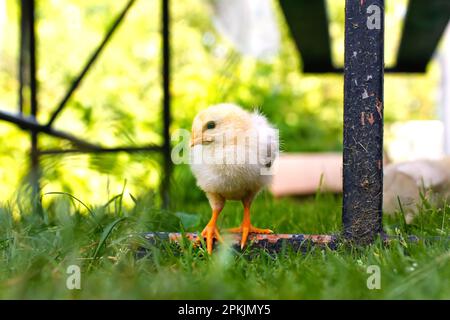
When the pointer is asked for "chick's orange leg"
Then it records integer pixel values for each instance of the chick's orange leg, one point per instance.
(210, 232)
(246, 226)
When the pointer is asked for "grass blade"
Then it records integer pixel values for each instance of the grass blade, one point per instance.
(72, 197)
(105, 234)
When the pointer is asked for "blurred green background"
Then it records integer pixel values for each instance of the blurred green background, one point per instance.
(119, 102)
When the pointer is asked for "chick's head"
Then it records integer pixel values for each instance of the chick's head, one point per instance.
(219, 122)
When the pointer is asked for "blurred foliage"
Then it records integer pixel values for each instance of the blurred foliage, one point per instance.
(119, 101)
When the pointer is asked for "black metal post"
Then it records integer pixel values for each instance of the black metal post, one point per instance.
(167, 162)
(27, 78)
(363, 120)
(102, 150)
(30, 123)
(23, 58)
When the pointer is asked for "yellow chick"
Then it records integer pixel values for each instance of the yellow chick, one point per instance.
(232, 156)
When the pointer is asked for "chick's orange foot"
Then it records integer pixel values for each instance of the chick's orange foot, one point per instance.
(211, 233)
(252, 229)
(246, 229)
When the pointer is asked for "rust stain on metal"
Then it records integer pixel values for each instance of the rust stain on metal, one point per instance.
(365, 183)
(371, 119)
(172, 237)
(176, 237)
(273, 239)
(379, 106)
(319, 238)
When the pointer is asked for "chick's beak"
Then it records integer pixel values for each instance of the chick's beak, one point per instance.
(195, 140)
(200, 139)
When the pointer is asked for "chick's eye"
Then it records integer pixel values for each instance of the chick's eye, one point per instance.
(210, 125)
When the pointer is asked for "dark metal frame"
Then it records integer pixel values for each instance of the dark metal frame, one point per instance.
(29, 83)
(425, 22)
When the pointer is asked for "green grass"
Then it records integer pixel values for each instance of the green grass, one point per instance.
(36, 251)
